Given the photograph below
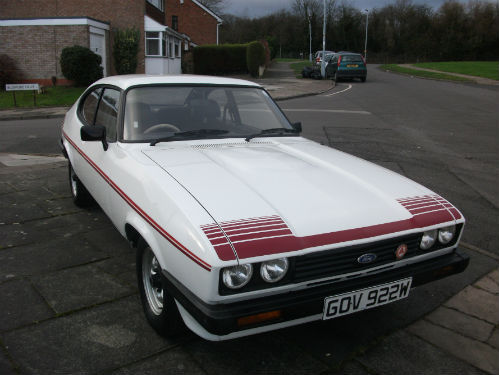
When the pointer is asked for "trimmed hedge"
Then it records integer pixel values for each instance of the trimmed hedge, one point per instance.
(220, 59)
(255, 56)
(125, 49)
(81, 65)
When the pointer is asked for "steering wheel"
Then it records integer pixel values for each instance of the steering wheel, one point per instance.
(157, 127)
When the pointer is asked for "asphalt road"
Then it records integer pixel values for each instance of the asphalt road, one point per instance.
(441, 134)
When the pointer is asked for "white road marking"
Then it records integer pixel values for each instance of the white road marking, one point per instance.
(327, 111)
(339, 92)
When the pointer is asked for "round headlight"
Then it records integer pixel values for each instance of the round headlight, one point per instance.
(274, 270)
(429, 238)
(236, 277)
(445, 235)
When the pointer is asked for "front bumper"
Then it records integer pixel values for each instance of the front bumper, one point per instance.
(222, 319)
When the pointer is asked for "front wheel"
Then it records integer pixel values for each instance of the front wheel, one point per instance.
(159, 307)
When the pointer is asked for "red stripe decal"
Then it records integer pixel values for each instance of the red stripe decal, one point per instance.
(249, 243)
(141, 212)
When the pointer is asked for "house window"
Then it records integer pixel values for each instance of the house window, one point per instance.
(164, 41)
(157, 3)
(175, 23)
(177, 48)
(153, 43)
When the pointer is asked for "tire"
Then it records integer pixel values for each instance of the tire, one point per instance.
(363, 79)
(81, 196)
(159, 307)
(336, 78)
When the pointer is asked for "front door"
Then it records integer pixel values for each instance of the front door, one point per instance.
(98, 46)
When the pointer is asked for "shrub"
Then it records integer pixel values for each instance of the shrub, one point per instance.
(255, 56)
(125, 49)
(81, 65)
(220, 59)
(8, 71)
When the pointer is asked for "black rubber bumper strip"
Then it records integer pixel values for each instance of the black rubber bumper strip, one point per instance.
(221, 319)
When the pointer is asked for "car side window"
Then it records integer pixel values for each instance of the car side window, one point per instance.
(107, 114)
(90, 106)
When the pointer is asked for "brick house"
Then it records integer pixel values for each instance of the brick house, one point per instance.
(34, 32)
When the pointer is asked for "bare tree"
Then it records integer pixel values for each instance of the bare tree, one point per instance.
(216, 6)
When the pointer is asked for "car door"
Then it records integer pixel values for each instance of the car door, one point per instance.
(99, 107)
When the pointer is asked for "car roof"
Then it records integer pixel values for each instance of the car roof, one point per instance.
(126, 81)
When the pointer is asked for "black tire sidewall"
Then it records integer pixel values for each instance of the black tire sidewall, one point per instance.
(169, 323)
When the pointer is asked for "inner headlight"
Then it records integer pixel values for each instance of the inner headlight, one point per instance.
(274, 270)
(236, 277)
(445, 235)
(429, 238)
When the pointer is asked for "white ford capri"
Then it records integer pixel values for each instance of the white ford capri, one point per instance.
(241, 225)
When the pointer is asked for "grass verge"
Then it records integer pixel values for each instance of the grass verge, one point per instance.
(421, 73)
(485, 69)
(52, 97)
(298, 67)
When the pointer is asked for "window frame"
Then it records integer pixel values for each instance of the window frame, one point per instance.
(158, 4)
(158, 40)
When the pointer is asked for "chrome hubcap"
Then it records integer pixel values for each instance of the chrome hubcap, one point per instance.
(151, 276)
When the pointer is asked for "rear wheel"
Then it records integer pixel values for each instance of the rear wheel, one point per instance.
(336, 78)
(81, 196)
(363, 79)
(159, 307)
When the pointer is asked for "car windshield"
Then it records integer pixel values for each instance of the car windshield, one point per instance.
(157, 112)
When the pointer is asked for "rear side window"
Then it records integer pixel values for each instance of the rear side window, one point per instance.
(90, 106)
(107, 114)
(351, 58)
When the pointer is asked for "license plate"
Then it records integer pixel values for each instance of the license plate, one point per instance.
(349, 303)
(352, 66)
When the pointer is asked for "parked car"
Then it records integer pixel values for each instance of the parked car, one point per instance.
(346, 65)
(240, 225)
(318, 56)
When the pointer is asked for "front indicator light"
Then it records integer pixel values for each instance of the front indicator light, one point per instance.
(236, 277)
(274, 270)
(258, 318)
(428, 239)
(445, 235)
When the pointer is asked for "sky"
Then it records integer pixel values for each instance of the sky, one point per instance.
(259, 8)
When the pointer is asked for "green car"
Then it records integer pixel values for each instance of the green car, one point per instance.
(346, 65)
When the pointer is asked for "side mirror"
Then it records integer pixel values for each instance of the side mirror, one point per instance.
(297, 127)
(94, 133)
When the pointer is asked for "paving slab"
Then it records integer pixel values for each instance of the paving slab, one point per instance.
(99, 339)
(494, 339)
(488, 284)
(48, 256)
(472, 351)
(21, 304)
(18, 207)
(478, 303)
(79, 287)
(261, 354)
(172, 362)
(464, 324)
(5, 365)
(402, 353)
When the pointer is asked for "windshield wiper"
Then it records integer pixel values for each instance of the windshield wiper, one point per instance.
(203, 133)
(272, 131)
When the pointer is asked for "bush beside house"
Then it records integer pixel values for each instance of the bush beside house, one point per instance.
(125, 50)
(81, 65)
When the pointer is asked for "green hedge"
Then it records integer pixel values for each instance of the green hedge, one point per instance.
(255, 57)
(220, 59)
(125, 49)
(81, 65)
